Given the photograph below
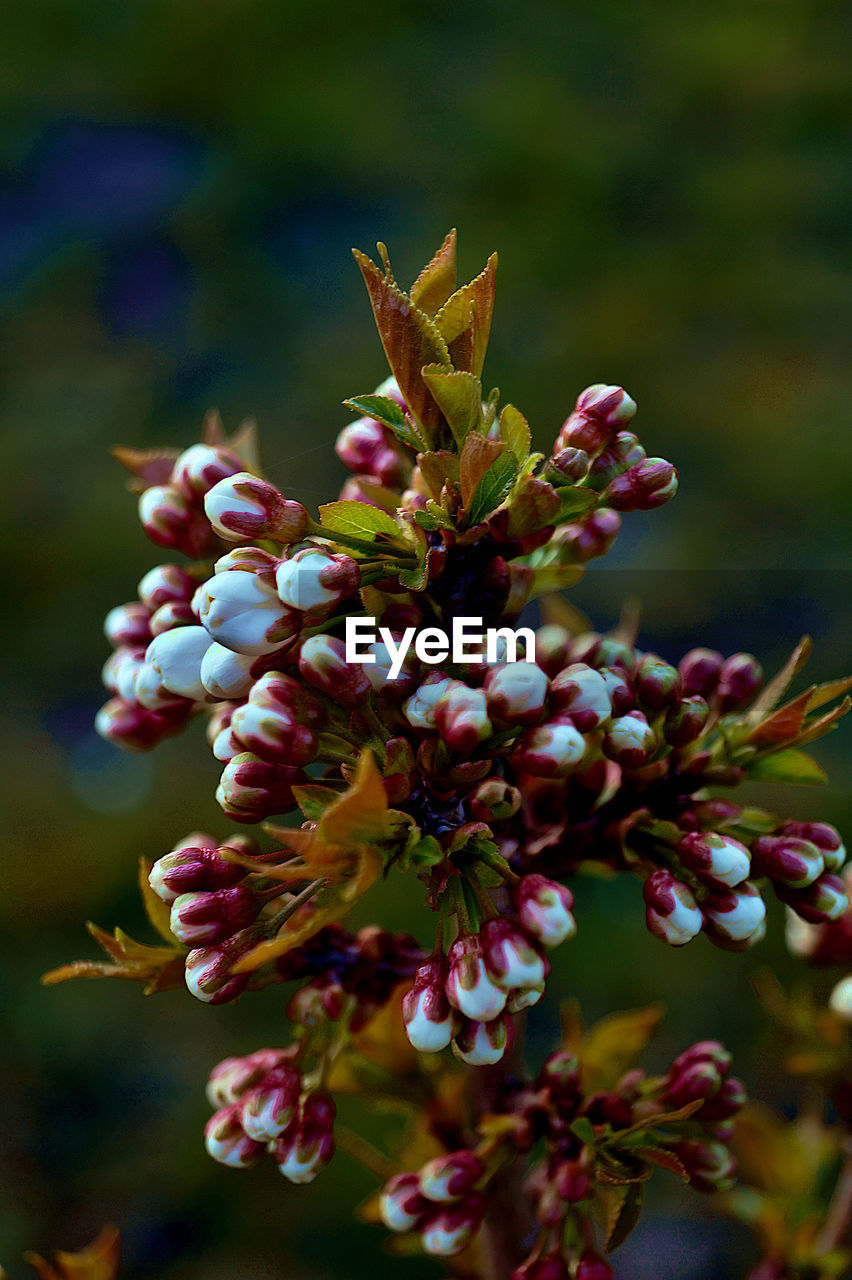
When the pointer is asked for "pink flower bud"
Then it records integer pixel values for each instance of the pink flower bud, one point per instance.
(170, 520)
(224, 673)
(166, 584)
(208, 974)
(273, 735)
(571, 1181)
(203, 919)
(720, 860)
(242, 611)
(730, 1099)
(226, 1142)
(685, 721)
(735, 915)
(568, 466)
(510, 958)
(120, 670)
(232, 1078)
(544, 909)
(787, 859)
(174, 613)
(599, 412)
(494, 801)
(322, 663)
(481, 1044)
(643, 487)
(739, 680)
(630, 741)
(461, 718)
(202, 466)
(306, 1148)
(622, 451)
(824, 900)
(619, 689)
(516, 693)
(710, 1165)
(136, 729)
(401, 1206)
(267, 1110)
(243, 507)
(378, 671)
(469, 986)
(449, 1178)
(699, 672)
(315, 581)
(589, 538)
(176, 657)
(552, 750)
(128, 625)
(580, 693)
(826, 838)
(419, 709)
(656, 684)
(190, 870)
(591, 1267)
(251, 789)
(368, 448)
(428, 1017)
(562, 1076)
(671, 912)
(451, 1230)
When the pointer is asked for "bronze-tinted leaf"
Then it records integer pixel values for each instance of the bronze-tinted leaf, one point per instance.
(159, 968)
(782, 725)
(98, 1261)
(459, 396)
(437, 280)
(779, 684)
(465, 320)
(477, 456)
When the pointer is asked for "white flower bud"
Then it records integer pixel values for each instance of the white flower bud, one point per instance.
(226, 674)
(419, 709)
(241, 611)
(176, 658)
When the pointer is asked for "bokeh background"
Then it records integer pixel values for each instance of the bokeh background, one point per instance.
(667, 186)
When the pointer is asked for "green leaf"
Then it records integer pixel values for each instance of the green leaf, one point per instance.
(583, 1129)
(391, 415)
(576, 500)
(459, 397)
(437, 280)
(787, 766)
(625, 1212)
(464, 320)
(425, 853)
(358, 519)
(515, 432)
(493, 487)
(314, 799)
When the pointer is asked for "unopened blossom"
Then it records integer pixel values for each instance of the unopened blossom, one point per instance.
(824, 900)
(165, 584)
(840, 1000)
(189, 869)
(469, 985)
(322, 663)
(314, 581)
(717, 859)
(736, 915)
(128, 624)
(176, 657)
(242, 611)
(590, 537)
(739, 680)
(580, 693)
(268, 1109)
(419, 709)
(202, 466)
(306, 1147)
(227, 1142)
(671, 911)
(251, 789)
(685, 720)
(401, 1203)
(450, 1178)
(822, 834)
(516, 693)
(656, 683)
(699, 672)
(480, 1044)
(642, 487)
(128, 725)
(552, 750)
(368, 448)
(792, 861)
(224, 673)
(427, 1014)
(544, 908)
(201, 919)
(461, 717)
(451, 1230)
(171, 520)
(630, 741)
(242, 507)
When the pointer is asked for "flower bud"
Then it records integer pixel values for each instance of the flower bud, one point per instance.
(128, 625)
(787, 859)
(494, 801)
(315, 581)
(699, 672)
(242, 611)
(170, 520)
(191, 870)
(599, 412)
(589, 538)
(226, 1142)
(824, 900)
(717, 859)
(840, 1000)
(120, 670)
(174, 613)
(208, 970)
(176, 657)
(251, 789)
(165, 584)
(643, 487)
(469, 986)
(461, 718)
(568, 466)
(401, 1205)
(224, 673)
(243, 507)
(826, 838)
(202, 466)
(449, 1178)
(622, 452)
(322, 663)
(619, 689)
(510, 958)
(710, 1165)
(685, 721)
(419, 709)
(571, 1181)
(730, 1099)
(630, 741)
(203, 919)
(273, 735)
(561, 1075)
(735, 915)
(451, 1230)
(135, 728)
(552, 750)
(516, 693)
(306, 1148)
(581, 693)
(591, 1267)
(428, 1017)
(552, 646)
(367, 447)
(544, 909)
(267, 1110)
(671, 911)
(655, 683)
(480, 1044)
(378, 671)
(739, 680)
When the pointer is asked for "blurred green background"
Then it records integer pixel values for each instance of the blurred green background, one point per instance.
(667, 186)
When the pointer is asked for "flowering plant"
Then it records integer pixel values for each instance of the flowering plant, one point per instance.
(487, 784)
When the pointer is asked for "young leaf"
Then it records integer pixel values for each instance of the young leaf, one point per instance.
(159, 968)
(437, 280)
(663, 1157)
(515, 432)
(439, 468)
(476, 457)
(313, 799)
(779, 684)
(782, 725)
(459, 396)
(98, 1261)
(624, 1214)
(358, 519)
(612, 1045)
(493, 487)
(576, 500)
(787, 766)
(380, 408)
(465, 320)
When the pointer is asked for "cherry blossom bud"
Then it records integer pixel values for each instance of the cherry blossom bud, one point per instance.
(128, 625)
(273, 735)
(170, 520)
(730, 1099)
(619, 690)
(644, 486)
(481, 1044)
(589, 538)
(451, 1230)
(208, 971)
(671, 911)
(242, 611)
(710, 1165)
(401, 1206)
(510, 958)
(685, 721)
(622, 452)
(428, 1017)
(120, 670)
(824, 900)
(147, 688)
(552, 750)
(591, 1267)
(203, 919)
(599, 412)
(801, 937)
(419, 709)
(190, 870)
(581, 693)
(252, 789)
(739, 680)
(561, 1075)
(226, 1141)
(696, 1073)
(840, 1000)
(378, 671)
(248, 560)
(544, 909)
(715, 858)
(655, 683)
(243, 507)
(571, 1181)
(552, 646)
(367, 447)
(521, 998)
(224, 673)
(175, 613)
(315, 581)
(494, 801)
(787, 859)
(826, 838)
(735, 915)
(469, 986)
(322, 663)
(699, 672)
(306, 1148)
(135, 728)
(165, 584)
(568, 466)
(202, 466)
(630, 741)
(461, 717)
(516, 693)
(550, 1267)
(449, 1178)
(176, 657)
(267, 1110)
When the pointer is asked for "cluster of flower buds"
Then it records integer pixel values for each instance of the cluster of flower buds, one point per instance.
(371, 452)
(439, 1204)
(265, 1106)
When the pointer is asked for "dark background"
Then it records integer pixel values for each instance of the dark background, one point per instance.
(667, 186)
